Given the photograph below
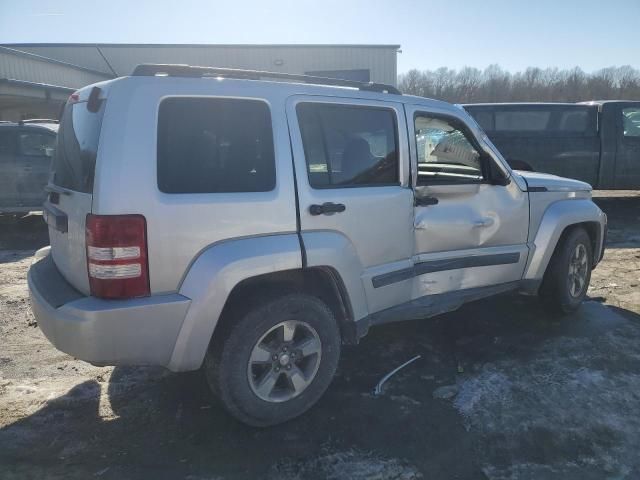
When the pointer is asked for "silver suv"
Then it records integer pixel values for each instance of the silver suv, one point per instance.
(204, 217)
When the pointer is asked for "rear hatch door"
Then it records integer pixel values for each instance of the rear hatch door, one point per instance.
(71, 184)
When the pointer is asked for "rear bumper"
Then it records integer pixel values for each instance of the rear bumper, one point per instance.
(141, 331)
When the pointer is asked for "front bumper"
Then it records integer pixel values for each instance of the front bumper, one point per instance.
(140, 331)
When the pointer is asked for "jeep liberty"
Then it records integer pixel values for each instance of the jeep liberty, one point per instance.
(250, 223)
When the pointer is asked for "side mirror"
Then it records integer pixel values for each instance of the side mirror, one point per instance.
(496, 175)
(500, 179)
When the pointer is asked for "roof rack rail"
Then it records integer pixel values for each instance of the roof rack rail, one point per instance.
(38, 120)
(179, 70)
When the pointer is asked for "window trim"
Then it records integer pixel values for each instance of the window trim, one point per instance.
(273, 123)
(338, 104)
(484, 158)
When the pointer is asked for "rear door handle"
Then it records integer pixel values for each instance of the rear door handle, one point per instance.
(327, 208)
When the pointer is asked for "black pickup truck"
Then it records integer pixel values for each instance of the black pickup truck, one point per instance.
(596, 142)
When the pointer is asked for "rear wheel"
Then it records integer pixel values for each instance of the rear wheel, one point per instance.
(566, 280)
(276, 360)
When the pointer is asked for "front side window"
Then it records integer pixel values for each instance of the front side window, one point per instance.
(349, 146)
(215, 145)
(445, 154)
(631, 122)
(37, 144)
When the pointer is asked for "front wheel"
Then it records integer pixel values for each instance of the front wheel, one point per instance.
(275, 361)
(566, 280)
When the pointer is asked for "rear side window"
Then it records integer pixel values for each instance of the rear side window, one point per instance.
(215, 145)
(522, 120)
(74, 161)
(531, 120)
(349, 146)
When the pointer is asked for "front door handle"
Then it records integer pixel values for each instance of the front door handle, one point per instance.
(483, 222)
(327, 208)
(425, 201)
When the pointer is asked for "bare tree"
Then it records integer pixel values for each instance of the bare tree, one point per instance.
(534, 84)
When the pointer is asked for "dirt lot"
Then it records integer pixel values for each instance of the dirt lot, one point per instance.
(502, 391)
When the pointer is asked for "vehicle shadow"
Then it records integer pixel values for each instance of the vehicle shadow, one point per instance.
(623, 214)
(145, 423)
(27, 232)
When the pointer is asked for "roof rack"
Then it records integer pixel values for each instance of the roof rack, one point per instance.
(38, 120)
(178, 70)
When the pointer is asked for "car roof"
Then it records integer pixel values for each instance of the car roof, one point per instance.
(290, 87)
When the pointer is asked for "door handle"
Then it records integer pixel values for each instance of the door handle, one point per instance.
(483, 222)
(327, 208)
(27, 169)
(425, 201)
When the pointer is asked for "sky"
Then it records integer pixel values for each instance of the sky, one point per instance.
(515, 34)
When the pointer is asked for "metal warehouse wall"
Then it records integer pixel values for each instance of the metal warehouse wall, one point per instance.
(380, 60)
(17, 65)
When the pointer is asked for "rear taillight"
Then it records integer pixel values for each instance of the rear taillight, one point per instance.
(117, 256)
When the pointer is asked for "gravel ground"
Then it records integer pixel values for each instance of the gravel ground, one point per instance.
(503, 391)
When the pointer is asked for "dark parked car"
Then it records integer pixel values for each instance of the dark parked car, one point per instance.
(596, 142)
(26, 149)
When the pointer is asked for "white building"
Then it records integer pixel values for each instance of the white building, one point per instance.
(35, 79)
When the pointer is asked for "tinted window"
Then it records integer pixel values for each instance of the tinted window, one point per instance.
(7, 146)
(74, 160)
(445, 154)
(349, 145)
(484, 120)
(213, 145)
(573, 121)
(546, 120)
(522, 120)
(36, 144)
(631, 122)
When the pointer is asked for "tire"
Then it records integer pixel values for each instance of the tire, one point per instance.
(252, 350)
(561, 290)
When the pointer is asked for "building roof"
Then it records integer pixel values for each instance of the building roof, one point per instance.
(119, 59)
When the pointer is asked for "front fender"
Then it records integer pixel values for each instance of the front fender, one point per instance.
(212, 277)
(556, 219)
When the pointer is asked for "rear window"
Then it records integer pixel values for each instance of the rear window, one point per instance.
(35, 144)
(522, 120)
(74, 161)
(215, 145)
(545, 120)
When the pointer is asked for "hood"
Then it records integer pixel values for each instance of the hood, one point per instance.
(552, 183)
